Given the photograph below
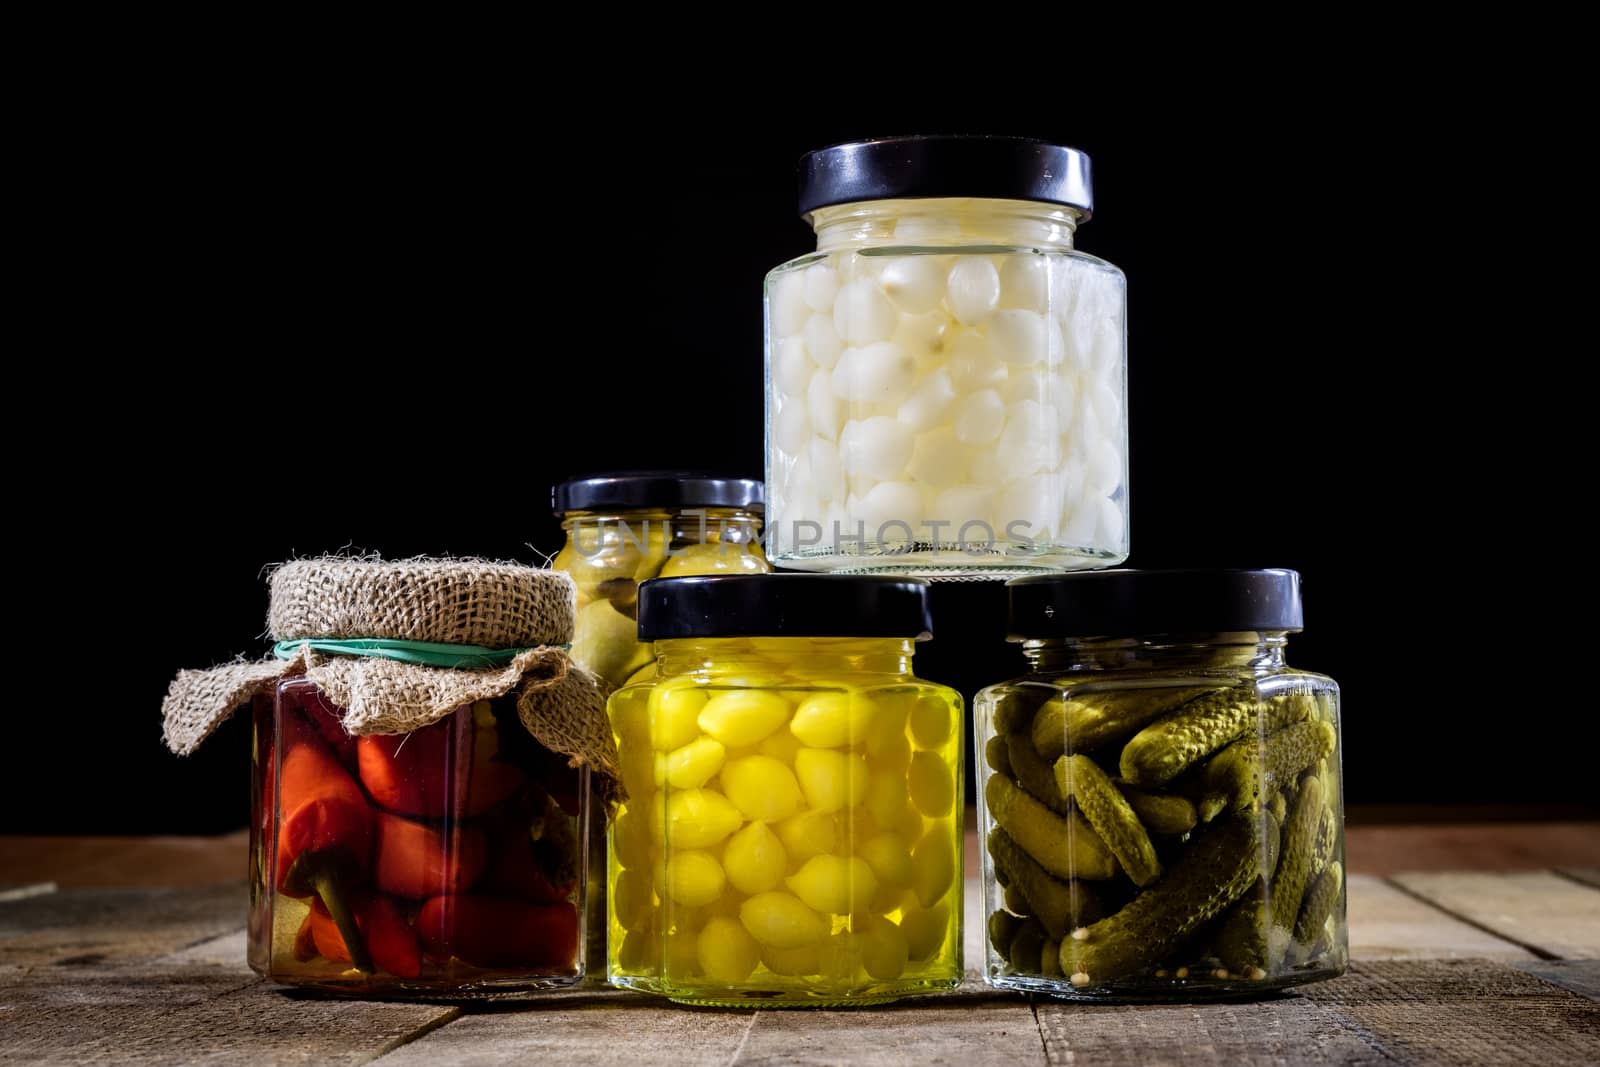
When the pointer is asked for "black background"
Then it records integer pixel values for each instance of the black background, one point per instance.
(346, 327)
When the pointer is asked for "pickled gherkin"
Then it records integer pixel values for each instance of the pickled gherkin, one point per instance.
(1247, 770)
(1090, 720)
(1034, 774)
(1160, 813)
(1214, 873)
(1318, 905)
(1297, 859)
(1060, 906)
(1171, 745)
(1093, 793)
(1067, 846)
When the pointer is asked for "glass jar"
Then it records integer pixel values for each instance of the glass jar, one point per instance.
(1161, 807)
(445, 860)
(623, 529)
(946, 375)
(792, 832)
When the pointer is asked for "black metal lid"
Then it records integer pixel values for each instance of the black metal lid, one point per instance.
(656, 489)
(1128, 603)
(784, 605)
(993, 168)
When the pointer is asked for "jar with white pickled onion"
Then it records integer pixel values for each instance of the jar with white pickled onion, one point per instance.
(792, 828)
(946, 373)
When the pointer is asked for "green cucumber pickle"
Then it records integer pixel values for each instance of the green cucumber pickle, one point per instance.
(1154, 833)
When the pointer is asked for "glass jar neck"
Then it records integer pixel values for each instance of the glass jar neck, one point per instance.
(798, 657)
(945, 223)
(734, 526)
(1247, 650)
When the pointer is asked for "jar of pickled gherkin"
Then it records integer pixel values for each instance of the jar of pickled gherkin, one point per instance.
(946, 373)
(623, 529)
(1161, 797)
(792, 828)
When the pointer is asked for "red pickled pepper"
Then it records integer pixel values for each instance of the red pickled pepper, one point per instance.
(324, 834)
(416, 861)
(523, 869)
(384, 932)
(495, 932)
(448, 768)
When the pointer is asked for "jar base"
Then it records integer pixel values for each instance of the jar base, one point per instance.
(779, 997)
(402, 989)
(1148, 990)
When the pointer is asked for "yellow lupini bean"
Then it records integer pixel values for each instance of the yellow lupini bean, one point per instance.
(930, 721)
(726, 951)
(694, 878)
(681, 954)
(834, 884)
(933, 864)
(755, 859)
(883, 949)
(631, 839)
(925, 929)
(630, 720)
(695, 764)
(781, 745)
(638, 770)
(743, 716)
(886, 739)
(932, 786)
(781, 920)
(674, 715)
(632, 899)
(641, 951)
(889, 858)
(831, 779)
(761, 788)
(699, 818)
(808, 834)
(886, 796)
(793, 962)
(834, 720)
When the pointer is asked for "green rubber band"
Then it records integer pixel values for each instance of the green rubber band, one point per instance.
(422, 653)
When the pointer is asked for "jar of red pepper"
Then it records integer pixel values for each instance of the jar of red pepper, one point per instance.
(420, 788)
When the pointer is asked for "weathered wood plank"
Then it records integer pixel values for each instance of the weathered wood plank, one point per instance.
(605, 1029)
(125, 862)
(1506, 846)
(1463, 1012)
(1586, 875)
(1554, 916)
(157, 1013)
(1277, 1031)
(1580, 976)
(110, 925)
(969, 1030)
(1386, 923)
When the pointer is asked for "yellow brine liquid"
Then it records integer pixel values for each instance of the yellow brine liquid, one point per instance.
(792, 828)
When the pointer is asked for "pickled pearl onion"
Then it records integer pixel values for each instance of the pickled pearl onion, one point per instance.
(972, 289)
(914, 283)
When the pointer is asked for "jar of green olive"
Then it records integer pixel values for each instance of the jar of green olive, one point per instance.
(1161, 799)
(623, 529)
(792, 829)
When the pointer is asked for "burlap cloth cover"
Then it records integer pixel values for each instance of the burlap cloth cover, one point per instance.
(448, 601)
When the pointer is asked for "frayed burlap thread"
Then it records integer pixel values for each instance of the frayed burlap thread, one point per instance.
(448, 601)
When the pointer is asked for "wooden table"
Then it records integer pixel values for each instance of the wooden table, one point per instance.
(1472, 944)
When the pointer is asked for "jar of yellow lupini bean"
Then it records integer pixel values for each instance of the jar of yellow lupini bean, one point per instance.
(792, 828)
